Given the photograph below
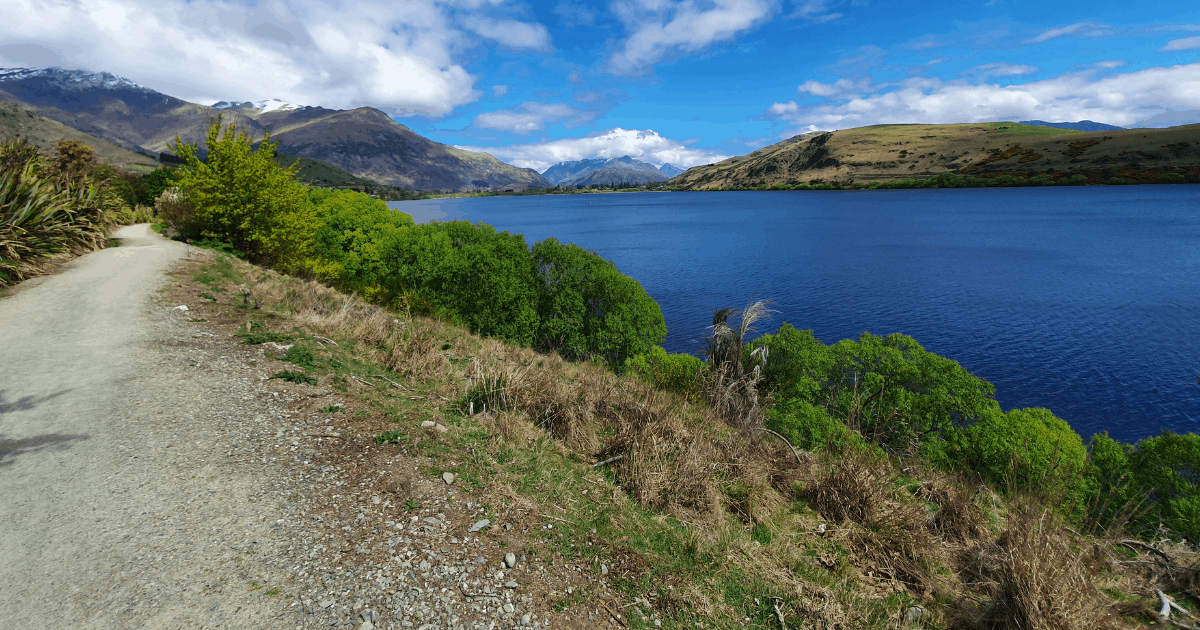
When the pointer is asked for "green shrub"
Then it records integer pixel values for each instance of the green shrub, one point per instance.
(296, 377)
(810, 427)
(355, 230)
(240, 196)
(1025, 449)
(1171, 178)
(1116, 181)
(672, 372)
(588, 308)
(1161, 474)
(890, 389)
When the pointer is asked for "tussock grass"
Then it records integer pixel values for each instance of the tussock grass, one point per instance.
(697, 515)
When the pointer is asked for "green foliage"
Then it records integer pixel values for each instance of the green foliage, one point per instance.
(50, 207)
(389, 437)
(588, 308)
(483, 279)
(1172, 178)
(1161, 473)
(355, 230)
(296, 377)
(157, 181)
(672, 372)
(1023, 449)
(243, 198)
(301, 356)
(810, 427)
(890, 388)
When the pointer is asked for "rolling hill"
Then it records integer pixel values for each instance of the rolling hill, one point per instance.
(892, 152)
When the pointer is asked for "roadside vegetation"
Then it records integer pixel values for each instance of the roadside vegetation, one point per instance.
(58, 206)
(776, 481)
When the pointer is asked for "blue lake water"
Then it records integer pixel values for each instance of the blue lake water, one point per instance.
(1082, 300)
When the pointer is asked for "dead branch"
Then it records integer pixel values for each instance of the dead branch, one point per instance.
(795, 451)
(324, 340)
(779, 613)
(607, 461)
(391, 381)
(1137, 544)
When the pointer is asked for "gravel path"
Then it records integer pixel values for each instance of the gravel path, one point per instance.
(153, 476)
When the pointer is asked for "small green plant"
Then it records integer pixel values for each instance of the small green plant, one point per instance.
(332, 409)
(296, 377)
(389, 437)
(254, 585)
(209, 297)
(300, 356)
(411, 505)
(273, 592)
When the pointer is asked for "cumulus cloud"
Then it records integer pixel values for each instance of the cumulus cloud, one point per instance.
(404, 57)
(1118, 99)
(662, 29)
(533, 116)
(1187, 43)
(646, 146)
(1003, 69)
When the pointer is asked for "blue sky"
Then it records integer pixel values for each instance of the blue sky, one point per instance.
(686, 82)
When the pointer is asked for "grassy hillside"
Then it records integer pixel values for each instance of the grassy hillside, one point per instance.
(650, 505)
(326, 175)
(894, 152)
(44, 133)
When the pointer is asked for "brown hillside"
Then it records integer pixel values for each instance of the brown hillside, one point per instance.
(891, 152)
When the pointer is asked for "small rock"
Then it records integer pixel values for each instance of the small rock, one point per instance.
(604, 569)
(480, 524)
(367, 625)
(428, 424)
(510, 560)
(376, 500)
(448, 477)
(440, 428)
(525, 619)
(181, 307)
(658, 623)
(325, 603)
(508, 608)
(510, 584)
(914, 615)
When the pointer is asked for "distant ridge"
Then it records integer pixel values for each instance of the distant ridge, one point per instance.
(594, 171)
(1083, 125)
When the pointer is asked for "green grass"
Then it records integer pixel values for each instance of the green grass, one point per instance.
(1016, 129)
(295, 377)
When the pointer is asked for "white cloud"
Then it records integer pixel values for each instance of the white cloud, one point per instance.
(662, 29)
(511, 34)
(1088, 29)
(1110, 64)
(646, 146)
(499, 90)
(837, 89)
(405, 57)
(1117, 99)
(815, 11)
(1187, 43)
(1004, 69)
(532, 116)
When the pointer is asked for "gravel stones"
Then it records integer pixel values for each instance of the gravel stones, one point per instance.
(480, 524)
(510, 560)
(448, 477)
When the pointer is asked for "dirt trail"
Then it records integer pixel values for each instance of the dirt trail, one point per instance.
(121, 506)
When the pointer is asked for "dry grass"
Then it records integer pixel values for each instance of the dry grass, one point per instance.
(899, 530)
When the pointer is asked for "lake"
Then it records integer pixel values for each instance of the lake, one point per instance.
(1082, 300)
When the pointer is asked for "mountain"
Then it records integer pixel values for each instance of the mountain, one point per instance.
(364, 142)
(622, 170)
(18, 122)
(1083, 125)
(892, 152)
(1170, 118)
(670, 170)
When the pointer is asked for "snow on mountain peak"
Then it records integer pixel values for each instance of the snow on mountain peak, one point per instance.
(75, 80)
(263, 106)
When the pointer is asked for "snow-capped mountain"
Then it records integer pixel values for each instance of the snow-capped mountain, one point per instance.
(624, 169)
(72, 80)
(670, 170)
(263, 106)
